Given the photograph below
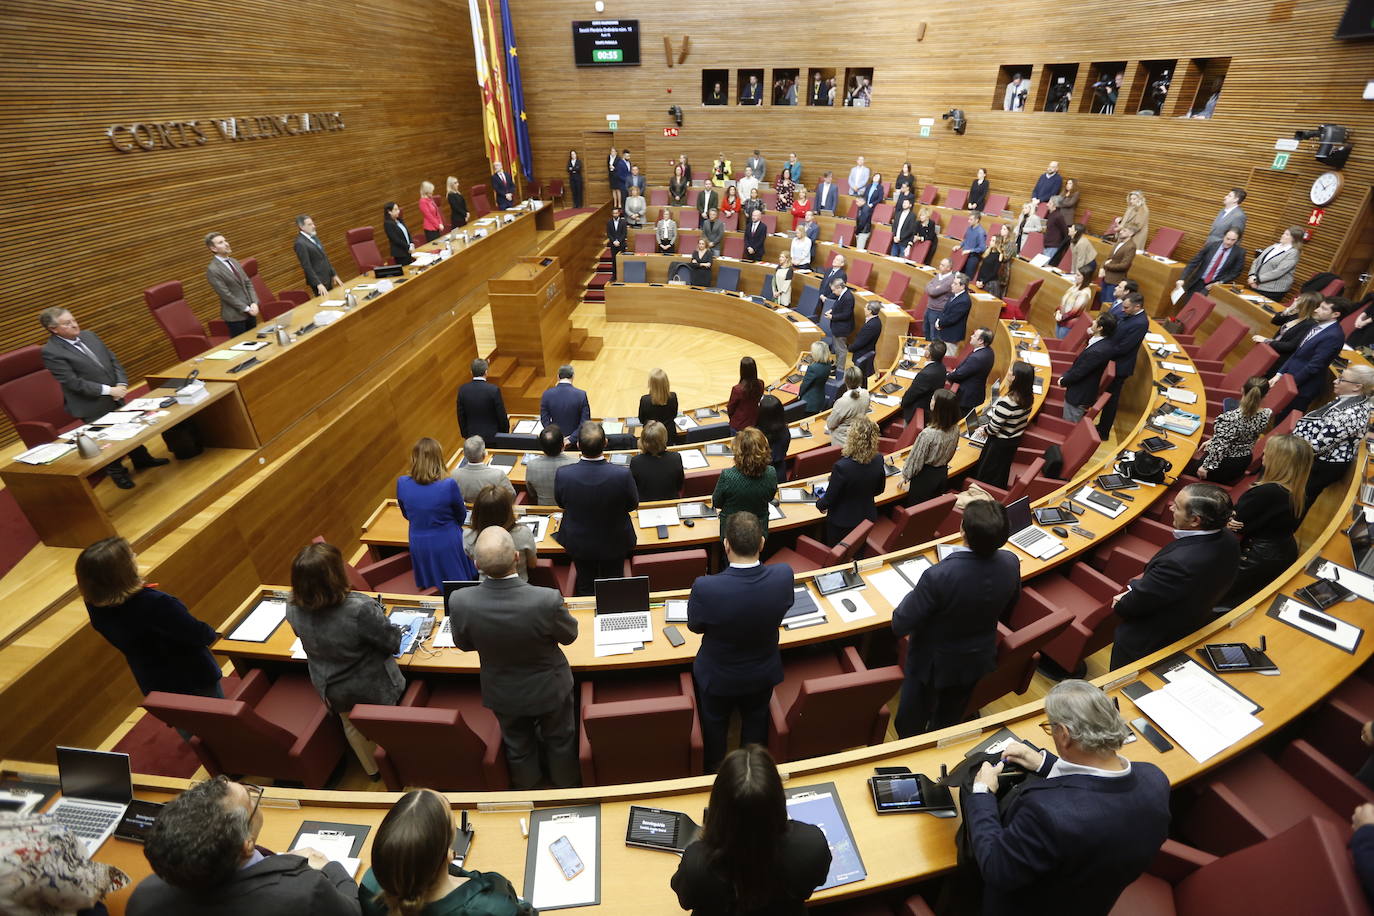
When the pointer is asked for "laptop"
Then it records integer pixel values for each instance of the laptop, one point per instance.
(1039, 544)
(622, 610)
(1360, 546)
(97, 787)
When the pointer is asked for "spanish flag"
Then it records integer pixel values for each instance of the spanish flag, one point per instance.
(491, 123)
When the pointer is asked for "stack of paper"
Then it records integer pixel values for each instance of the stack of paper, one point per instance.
(335, 846)
(443, 636)
(693, 459)
(261, 623)
(1182, 395)
(653, 518)
(46, 453)
(1177, 367)
(1203, 717)
(675, 610)
(1036, 358)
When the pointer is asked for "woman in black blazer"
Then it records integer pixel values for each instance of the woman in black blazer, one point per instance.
(657, 472)
(397, 234)
(457, 206)
(857, 478)
(165, 646)
(575, 178)
(978, 191)
(660, 404)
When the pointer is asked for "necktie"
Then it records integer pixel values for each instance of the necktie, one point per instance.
(81, 345)
(1215, 265)
(1310, 334)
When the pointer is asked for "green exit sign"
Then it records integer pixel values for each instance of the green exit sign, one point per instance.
(608, 55)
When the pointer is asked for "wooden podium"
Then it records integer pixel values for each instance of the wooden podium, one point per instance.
(530, 314)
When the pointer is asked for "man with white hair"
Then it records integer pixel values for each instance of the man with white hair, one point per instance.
(1077, 835)
(476, 472)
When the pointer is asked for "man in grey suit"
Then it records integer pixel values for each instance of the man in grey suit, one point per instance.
(541, 471)
(93, 381)
(516, 629)
(238, 302)
(205, 859)
(759, 165)
(1230, 217)
(319, 273)
(475, 473)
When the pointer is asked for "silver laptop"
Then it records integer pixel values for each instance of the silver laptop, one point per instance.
(1034, 541)
(97, 787)
(622, 610)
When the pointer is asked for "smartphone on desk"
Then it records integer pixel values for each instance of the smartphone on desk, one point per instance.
(566, 857)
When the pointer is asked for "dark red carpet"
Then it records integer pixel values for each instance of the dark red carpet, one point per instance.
(564, 214)
(155, 748)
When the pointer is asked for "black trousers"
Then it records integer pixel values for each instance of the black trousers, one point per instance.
(1107, 419)
(715, 722)
(238, 327)
(576, 185)
(554, 733)
(589, 569)
(1324, 474)
(925, 707)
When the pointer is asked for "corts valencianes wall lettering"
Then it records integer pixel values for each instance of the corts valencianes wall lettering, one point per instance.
(153, 135)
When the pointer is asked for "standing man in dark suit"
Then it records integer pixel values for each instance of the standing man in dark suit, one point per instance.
(205, 858)
(238, 301)
(951, 616)
(597, 498)
(708, 200)
(752, 93)
(481, 409)
(516, 629)
(397, 235)
(757, 164)
(938, 292)
(1183, 581)
(503, 186)
(617, 231)
(319, 273)
(1080, 382)
(903, 228)
(930, 379)
(1073, 840)
(755, 236)
(954, 322)
(836, 271)
(865, 346)
(972, 373)
(1310, 361)
(93, 381)
(841, 315)
(1218, 262)
(827, 194)
(1132, 324)
(622, 175)
(738, 612)
(564, 404)
(1230, 217)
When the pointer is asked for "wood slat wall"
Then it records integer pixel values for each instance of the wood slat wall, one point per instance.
(1286, 73)
(86, 226)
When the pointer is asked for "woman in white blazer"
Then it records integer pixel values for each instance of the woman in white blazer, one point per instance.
(1271, 273)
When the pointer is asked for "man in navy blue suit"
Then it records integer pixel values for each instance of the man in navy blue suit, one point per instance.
(481, 410)
(865, 346)
(565, 405)
(951, 616)
(597, 498)
(1132, 324)
(504, 187)
(1310, 361)
(953, 323)
(972, 373)
(1081, 381)
(738, 612)
(827, 194)
(755, 236)
(841, 315)
(1072, 840)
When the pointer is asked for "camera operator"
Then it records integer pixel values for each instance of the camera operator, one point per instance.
(1106, 91)
(1014, 99)
(1060, 93)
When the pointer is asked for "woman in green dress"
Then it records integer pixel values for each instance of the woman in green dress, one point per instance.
(751, 484)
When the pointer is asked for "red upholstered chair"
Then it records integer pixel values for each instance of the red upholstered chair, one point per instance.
(555, 190)
(906, 437)
(1072, 344)
(641, 730)
(882, 213)
(442, 738)
(363, 246)
(1033, 245)
(1257, 362)
(958, 224)
(1334, 288)
(770, 201)
(861, 271)
(1194, 312)
(693, 194)
(1017, 486)
(1304, 869)
(996, 203)
(269, 305)
(1211, 355)
(1066, 262)
(644, 243)
(1164, 242)
(1123, 557)
(658, 197)
(829, 702)
(879, 242)
(928, 194)
(1078, 448)
(701, 484)
(1019, 308)
(689, 219)
(844, 234)
(957, 260)
(1019, 643)
(909, 525)
(31, 397)
(956, 198)
(920, 251)
(170, 310)
(1087, 595)
(733, 247)
(481, 203)
(687, 242)
(1333, 727)
(280, 729)
(731, 221)
(895, 291)
(770, 219)
(815, 461)
(393, 575)
(811, 554)
(671, 569)
(294, 297)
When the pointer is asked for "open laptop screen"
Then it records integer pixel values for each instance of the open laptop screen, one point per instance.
(1360, 546)
(451, 586)
(617, 596)
(96, 775)
(1018, 515)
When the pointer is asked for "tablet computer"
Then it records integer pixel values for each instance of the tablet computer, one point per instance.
(1156, 444)
(1053, 515)
(903, 792)
(1114, 482)
(831, 582)
(1323, 593)
(1235, 656)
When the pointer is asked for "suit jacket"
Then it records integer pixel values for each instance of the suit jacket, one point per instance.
(233, 287)
(399, 237)
(904, 227)
(842, 315)
(617, 230)
(1224, 223)
(164, 645)
(622, 173)
(567, 406)
(1125, 343)
(829, 278)
(972, 376)
(502, 184)
(1273, 269)
(1362, 851)
(737, 612)
(930, 379)
(458, 206)
(314, 261)
(481, 410)
(471, 478)
(597, 498)
(350, 647)
(708, 198)
(1231, 265)
(540, 473)
(954, 322)
(1175, 594)
(1070, 843)
(874, 194)
(278, 884)
(1288, 339)
(755, 237)
(1118, 263)
(1311, 359)
(636, 181)
(848, 498)
(81, 377)
(759, 165)
(867, 340)
(826, 197)
(952, 616)
(517, 629)
(1082, 379)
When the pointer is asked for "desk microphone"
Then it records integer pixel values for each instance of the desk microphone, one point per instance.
(1263, 644)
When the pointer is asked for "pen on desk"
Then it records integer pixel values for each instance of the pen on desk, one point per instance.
(524, 829)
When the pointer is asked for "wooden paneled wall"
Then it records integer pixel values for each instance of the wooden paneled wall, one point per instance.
(85, 225)
(1285, 73)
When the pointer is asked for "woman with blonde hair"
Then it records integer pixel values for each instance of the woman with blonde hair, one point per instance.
(660, 404)
(1294, 322)
(855, 482)
(1234, 434)
(1027, 224)
(433, 504)
(926, 231)
(457, 206)
(751, 483)
(429, 209)
(495, 506)
(1267, 516)
(657, 472)
(801, 203)
(665, 232)
(782, 280)
(848, 407)
(1135, 222)
(818, 372)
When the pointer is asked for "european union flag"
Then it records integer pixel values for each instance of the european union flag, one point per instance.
(517, 94)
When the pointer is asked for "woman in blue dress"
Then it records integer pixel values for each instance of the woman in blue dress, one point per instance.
(433, 504)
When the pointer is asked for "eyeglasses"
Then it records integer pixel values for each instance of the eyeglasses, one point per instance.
(255, 793)
(1048, 727)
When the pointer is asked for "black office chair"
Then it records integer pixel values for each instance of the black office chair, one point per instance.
(633, 272)
(727, 278)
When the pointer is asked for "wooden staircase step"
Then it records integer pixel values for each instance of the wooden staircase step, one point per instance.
(519, 378)
(498, 367)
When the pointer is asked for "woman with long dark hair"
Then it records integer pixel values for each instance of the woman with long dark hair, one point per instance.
(1007, 420)
(743, 407)
(750, 859)
(772, 422)
(495, 506)
(927, 464)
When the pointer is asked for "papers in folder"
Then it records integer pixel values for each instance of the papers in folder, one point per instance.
(1203, 718)
(46, 453)
(693, 459)
(1345, 636)
(1182, 395)
(652, 518)
(262, 622)
(1177, 367)
(335, 846)
(1036, 358)
(549, 888)
(528, 427)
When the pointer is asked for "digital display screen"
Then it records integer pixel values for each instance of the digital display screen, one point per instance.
(897, 794)
(606, 43)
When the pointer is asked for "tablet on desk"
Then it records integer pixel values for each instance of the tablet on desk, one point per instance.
(1114, 482)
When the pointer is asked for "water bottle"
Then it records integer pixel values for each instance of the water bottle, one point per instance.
(283, 338)
(86, 447)
(350, 300)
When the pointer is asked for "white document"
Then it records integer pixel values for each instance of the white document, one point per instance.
(1181, 395)
(675, 610)
(684, 422)
(1156, 338)
(885, 400)
(115, 417)
(914, 568)
(538, 525)
(1177, 367)
(860, 610)
(121, 432)
(652, 518)
(528, 427)
(775, 514)
(1202, 718)
(143, 404)
(1345, 635)
(1176, 294)
(261, 623)
(336, 848)
(551, 888)
(1040, 260)
(693, 459)
(1191, 669)
(890, 585)
(223, 354)
(1036, 358)
(45, 453)
(905, 373)
(1024, 335)
(1357, 582)
(603, 649)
